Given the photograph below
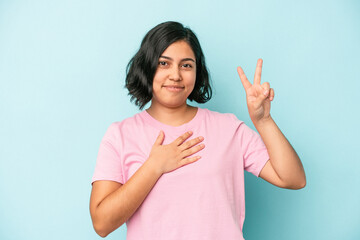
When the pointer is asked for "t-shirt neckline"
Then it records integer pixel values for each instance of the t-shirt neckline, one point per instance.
(191, 125)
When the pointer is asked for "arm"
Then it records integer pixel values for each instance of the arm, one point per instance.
(112, 204)
(284, 169)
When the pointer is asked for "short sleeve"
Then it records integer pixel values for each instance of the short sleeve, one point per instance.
(254, 151)
(108, 162)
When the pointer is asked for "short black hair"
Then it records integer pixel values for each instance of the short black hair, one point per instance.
(141, 69)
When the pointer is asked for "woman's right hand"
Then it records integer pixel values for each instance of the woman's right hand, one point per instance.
(166, 158)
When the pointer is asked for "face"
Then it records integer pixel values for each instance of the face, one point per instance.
(175, 76)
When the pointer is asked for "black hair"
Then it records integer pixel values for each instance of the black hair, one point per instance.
(141, 69)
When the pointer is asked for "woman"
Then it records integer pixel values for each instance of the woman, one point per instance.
(174, 171)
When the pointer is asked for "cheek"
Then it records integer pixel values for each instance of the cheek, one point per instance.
(191, 80)
(157, 81)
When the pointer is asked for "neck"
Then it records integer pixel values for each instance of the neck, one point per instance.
(172, 116)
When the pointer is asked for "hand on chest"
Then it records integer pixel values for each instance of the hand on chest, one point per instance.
(221, 156)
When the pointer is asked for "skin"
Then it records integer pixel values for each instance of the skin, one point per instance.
(284, 169)
(112, 204)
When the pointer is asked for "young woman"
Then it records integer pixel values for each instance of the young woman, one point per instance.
(174, 171)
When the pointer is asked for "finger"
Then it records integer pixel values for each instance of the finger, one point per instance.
(245, 82)
(265, 89)
(193, 142)
(272, 94)
(188, 160)
(192, 150)
(257, 77)
(182, 138)
(160, 139)
(262, 94)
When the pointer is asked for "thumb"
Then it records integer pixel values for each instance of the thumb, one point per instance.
(264, 91)
(262, 94)
(160, 139)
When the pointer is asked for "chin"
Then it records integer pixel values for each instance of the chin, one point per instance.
(174, 104)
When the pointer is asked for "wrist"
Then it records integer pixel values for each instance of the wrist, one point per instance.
(151, 166)
(262, 122)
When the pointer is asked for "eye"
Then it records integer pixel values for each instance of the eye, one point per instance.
(187, 65)
(162, 63)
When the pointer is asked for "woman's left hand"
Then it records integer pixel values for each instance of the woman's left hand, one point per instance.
(258, 96)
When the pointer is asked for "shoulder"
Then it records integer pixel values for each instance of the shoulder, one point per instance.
(223, 118)
(128, 124)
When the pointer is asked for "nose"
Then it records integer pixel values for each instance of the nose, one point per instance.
(175, 75)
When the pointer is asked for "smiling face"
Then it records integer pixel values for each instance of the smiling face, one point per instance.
(175, 76)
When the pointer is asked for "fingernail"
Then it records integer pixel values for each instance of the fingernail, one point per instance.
(266, 92)
(189, 132)
(201, 138)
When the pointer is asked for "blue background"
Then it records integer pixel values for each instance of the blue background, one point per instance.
(62, 69)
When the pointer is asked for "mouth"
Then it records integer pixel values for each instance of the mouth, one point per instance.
(173, 88)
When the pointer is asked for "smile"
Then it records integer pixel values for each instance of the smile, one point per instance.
(173, 88)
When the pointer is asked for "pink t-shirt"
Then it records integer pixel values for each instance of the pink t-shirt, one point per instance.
(202, 200)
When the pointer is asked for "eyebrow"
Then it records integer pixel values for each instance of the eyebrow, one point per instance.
(182, 60)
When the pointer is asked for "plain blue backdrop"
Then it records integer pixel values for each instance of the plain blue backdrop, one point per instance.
(62, 70)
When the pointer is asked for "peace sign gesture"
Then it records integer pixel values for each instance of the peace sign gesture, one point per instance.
(258, 97)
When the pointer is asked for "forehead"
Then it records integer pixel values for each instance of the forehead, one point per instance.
(179, 49)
